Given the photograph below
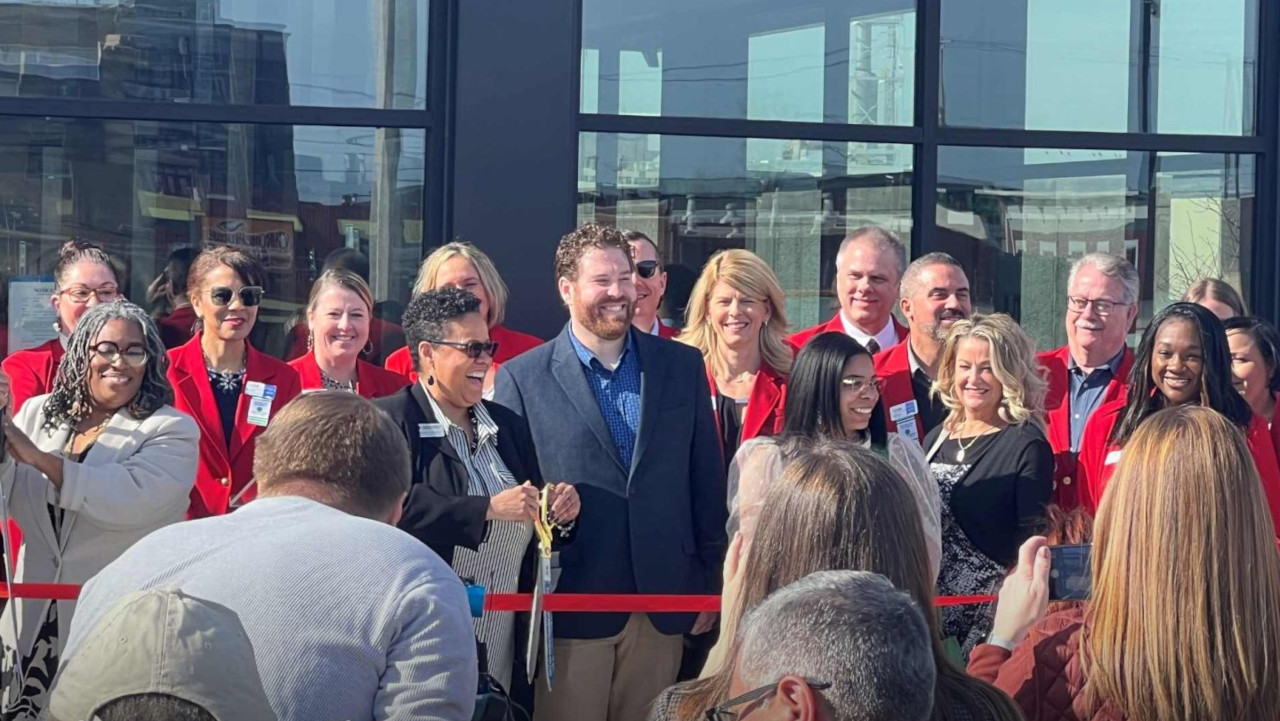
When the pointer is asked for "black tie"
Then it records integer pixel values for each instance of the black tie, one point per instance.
(873, 347)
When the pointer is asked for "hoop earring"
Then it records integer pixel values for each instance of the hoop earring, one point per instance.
(368, 348)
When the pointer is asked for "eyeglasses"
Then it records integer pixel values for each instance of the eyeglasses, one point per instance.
(647, 268)
(250, 295)
(723, 712)
(1101, 306)
(134, 356)
(81, 294)
(861, 385)
(473, 348)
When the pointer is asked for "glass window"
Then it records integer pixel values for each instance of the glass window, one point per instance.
(789, 201)
(805, 62)
(365, 53)
(1017, 221)
(1177, 66)
(291, 195)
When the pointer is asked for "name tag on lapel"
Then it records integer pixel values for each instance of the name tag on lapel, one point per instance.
(258, 389)
(430, 430)
(259, 411)
(903, 411)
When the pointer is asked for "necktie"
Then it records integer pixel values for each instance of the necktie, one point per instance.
(873, 347)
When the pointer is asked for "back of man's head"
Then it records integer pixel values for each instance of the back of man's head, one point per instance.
(336, 448)
(852, 630)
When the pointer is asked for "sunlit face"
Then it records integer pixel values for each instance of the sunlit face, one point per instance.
(1217, 307)
(113, 385)
(459, 378)
(339, 324)
(858, 394)
(1177, 362)
(649, 291)
(1092, 334)
(1249, 371)
(98, 280)
(735, 316)
(458, 272)
(867, 284)
(602, 298)
(941, 298)
(976, 385)
(231, 322)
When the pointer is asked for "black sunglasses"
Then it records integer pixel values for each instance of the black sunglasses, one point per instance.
(725, 712)
(647, 268)
(473, 348)
(250, 295)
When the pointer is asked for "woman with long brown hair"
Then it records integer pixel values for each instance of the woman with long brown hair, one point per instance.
(857, 514)
(1185, 614)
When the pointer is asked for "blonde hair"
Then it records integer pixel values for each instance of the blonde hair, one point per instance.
(340, 278)
(489, 277)
(1218, 290)
(1013, 360)
(1185, 620)
(743, 271)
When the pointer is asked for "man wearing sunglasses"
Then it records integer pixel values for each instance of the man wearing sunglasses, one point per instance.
(833, 646)
(651, 285)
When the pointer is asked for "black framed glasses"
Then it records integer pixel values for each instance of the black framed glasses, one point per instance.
(1101, 306)
(134, 356)
(725, 712)
(647, 268)
(80, 294)
(473, 348)
(250, 295)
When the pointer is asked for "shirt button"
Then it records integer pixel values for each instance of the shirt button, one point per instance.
(224, 481)
(1066, 481)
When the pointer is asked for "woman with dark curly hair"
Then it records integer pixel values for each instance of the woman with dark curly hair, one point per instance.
(95, 465)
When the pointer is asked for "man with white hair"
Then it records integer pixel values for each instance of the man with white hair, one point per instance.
(1092, 369)
(833, 646)
(869, 266)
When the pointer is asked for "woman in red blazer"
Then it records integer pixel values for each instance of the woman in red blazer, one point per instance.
(83, 278)
(1183, 359)
(736, 320)
(462, 265)
(338, 319)
(232, 390)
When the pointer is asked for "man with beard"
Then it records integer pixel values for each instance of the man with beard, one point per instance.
(651, 284)
(623, 416)
(935, 294)
(1092, 369)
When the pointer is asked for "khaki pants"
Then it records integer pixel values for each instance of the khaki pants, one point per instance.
(610, 679)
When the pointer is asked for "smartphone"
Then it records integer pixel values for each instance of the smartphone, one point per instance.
(1069, 572)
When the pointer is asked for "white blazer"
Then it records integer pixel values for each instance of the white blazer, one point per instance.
(136, 478)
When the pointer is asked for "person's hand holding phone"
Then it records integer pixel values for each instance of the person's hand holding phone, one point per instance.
(1024, 597)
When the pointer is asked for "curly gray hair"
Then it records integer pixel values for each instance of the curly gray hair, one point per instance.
(69, 402)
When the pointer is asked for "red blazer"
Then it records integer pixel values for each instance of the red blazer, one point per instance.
(893, 368)
(1098, 458)
(763, 415)
(31, 371)
(222, 474)
(1057, 405)
(371, 381)
(511, 343)
(666, 331)
(837, 326)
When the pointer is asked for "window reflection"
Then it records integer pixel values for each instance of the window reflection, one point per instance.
(701, 195)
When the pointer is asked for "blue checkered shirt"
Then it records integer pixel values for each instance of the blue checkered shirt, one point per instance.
(617, 394)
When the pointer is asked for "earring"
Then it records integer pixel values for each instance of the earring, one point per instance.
(431, 380)
(310, 340)
(368, 348)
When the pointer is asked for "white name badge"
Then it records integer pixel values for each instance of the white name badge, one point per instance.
(908, 429)
(259, 411)
(903, 410)
(258, 389)
(430, 430)
(1112, 458)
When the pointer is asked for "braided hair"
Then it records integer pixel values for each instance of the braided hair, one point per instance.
(69, 401)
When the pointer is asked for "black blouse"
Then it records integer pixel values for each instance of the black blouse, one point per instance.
(1000, 502)
(226, 393)
(730, 425)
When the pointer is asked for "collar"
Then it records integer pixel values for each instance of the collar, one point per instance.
(657, 327)
(486, 429)
(1112, 365)
(586, 356)
(886, 337)
(912, 361)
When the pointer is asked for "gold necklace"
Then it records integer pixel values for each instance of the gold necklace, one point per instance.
(963, 447)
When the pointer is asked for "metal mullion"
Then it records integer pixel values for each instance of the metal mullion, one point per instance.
(575, 79)
(924, 186)
(738, 128)
(437, 200)
(1265, 255)
(209, 113)
(1066, 139)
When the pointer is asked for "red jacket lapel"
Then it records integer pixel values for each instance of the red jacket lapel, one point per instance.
(257, 368)
(190, 382)
(893, 368)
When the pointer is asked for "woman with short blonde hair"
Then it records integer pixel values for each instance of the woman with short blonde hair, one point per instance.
(737, 319)
(464, 266)
(992, 462)
(1185, 607)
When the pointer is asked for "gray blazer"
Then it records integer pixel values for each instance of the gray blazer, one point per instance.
(136, 478)
(656, 527)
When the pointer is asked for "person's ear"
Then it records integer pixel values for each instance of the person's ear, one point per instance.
(904, 304)
(794, 701)
(425, 354)
(397, 511)
(566, 291)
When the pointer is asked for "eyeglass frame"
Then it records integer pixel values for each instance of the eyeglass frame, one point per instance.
(238, 293)
(654, 267)
(722, 712)
(466, 347)
(849, 381)
(1103, 307)
(92, 292)
(111, 356)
